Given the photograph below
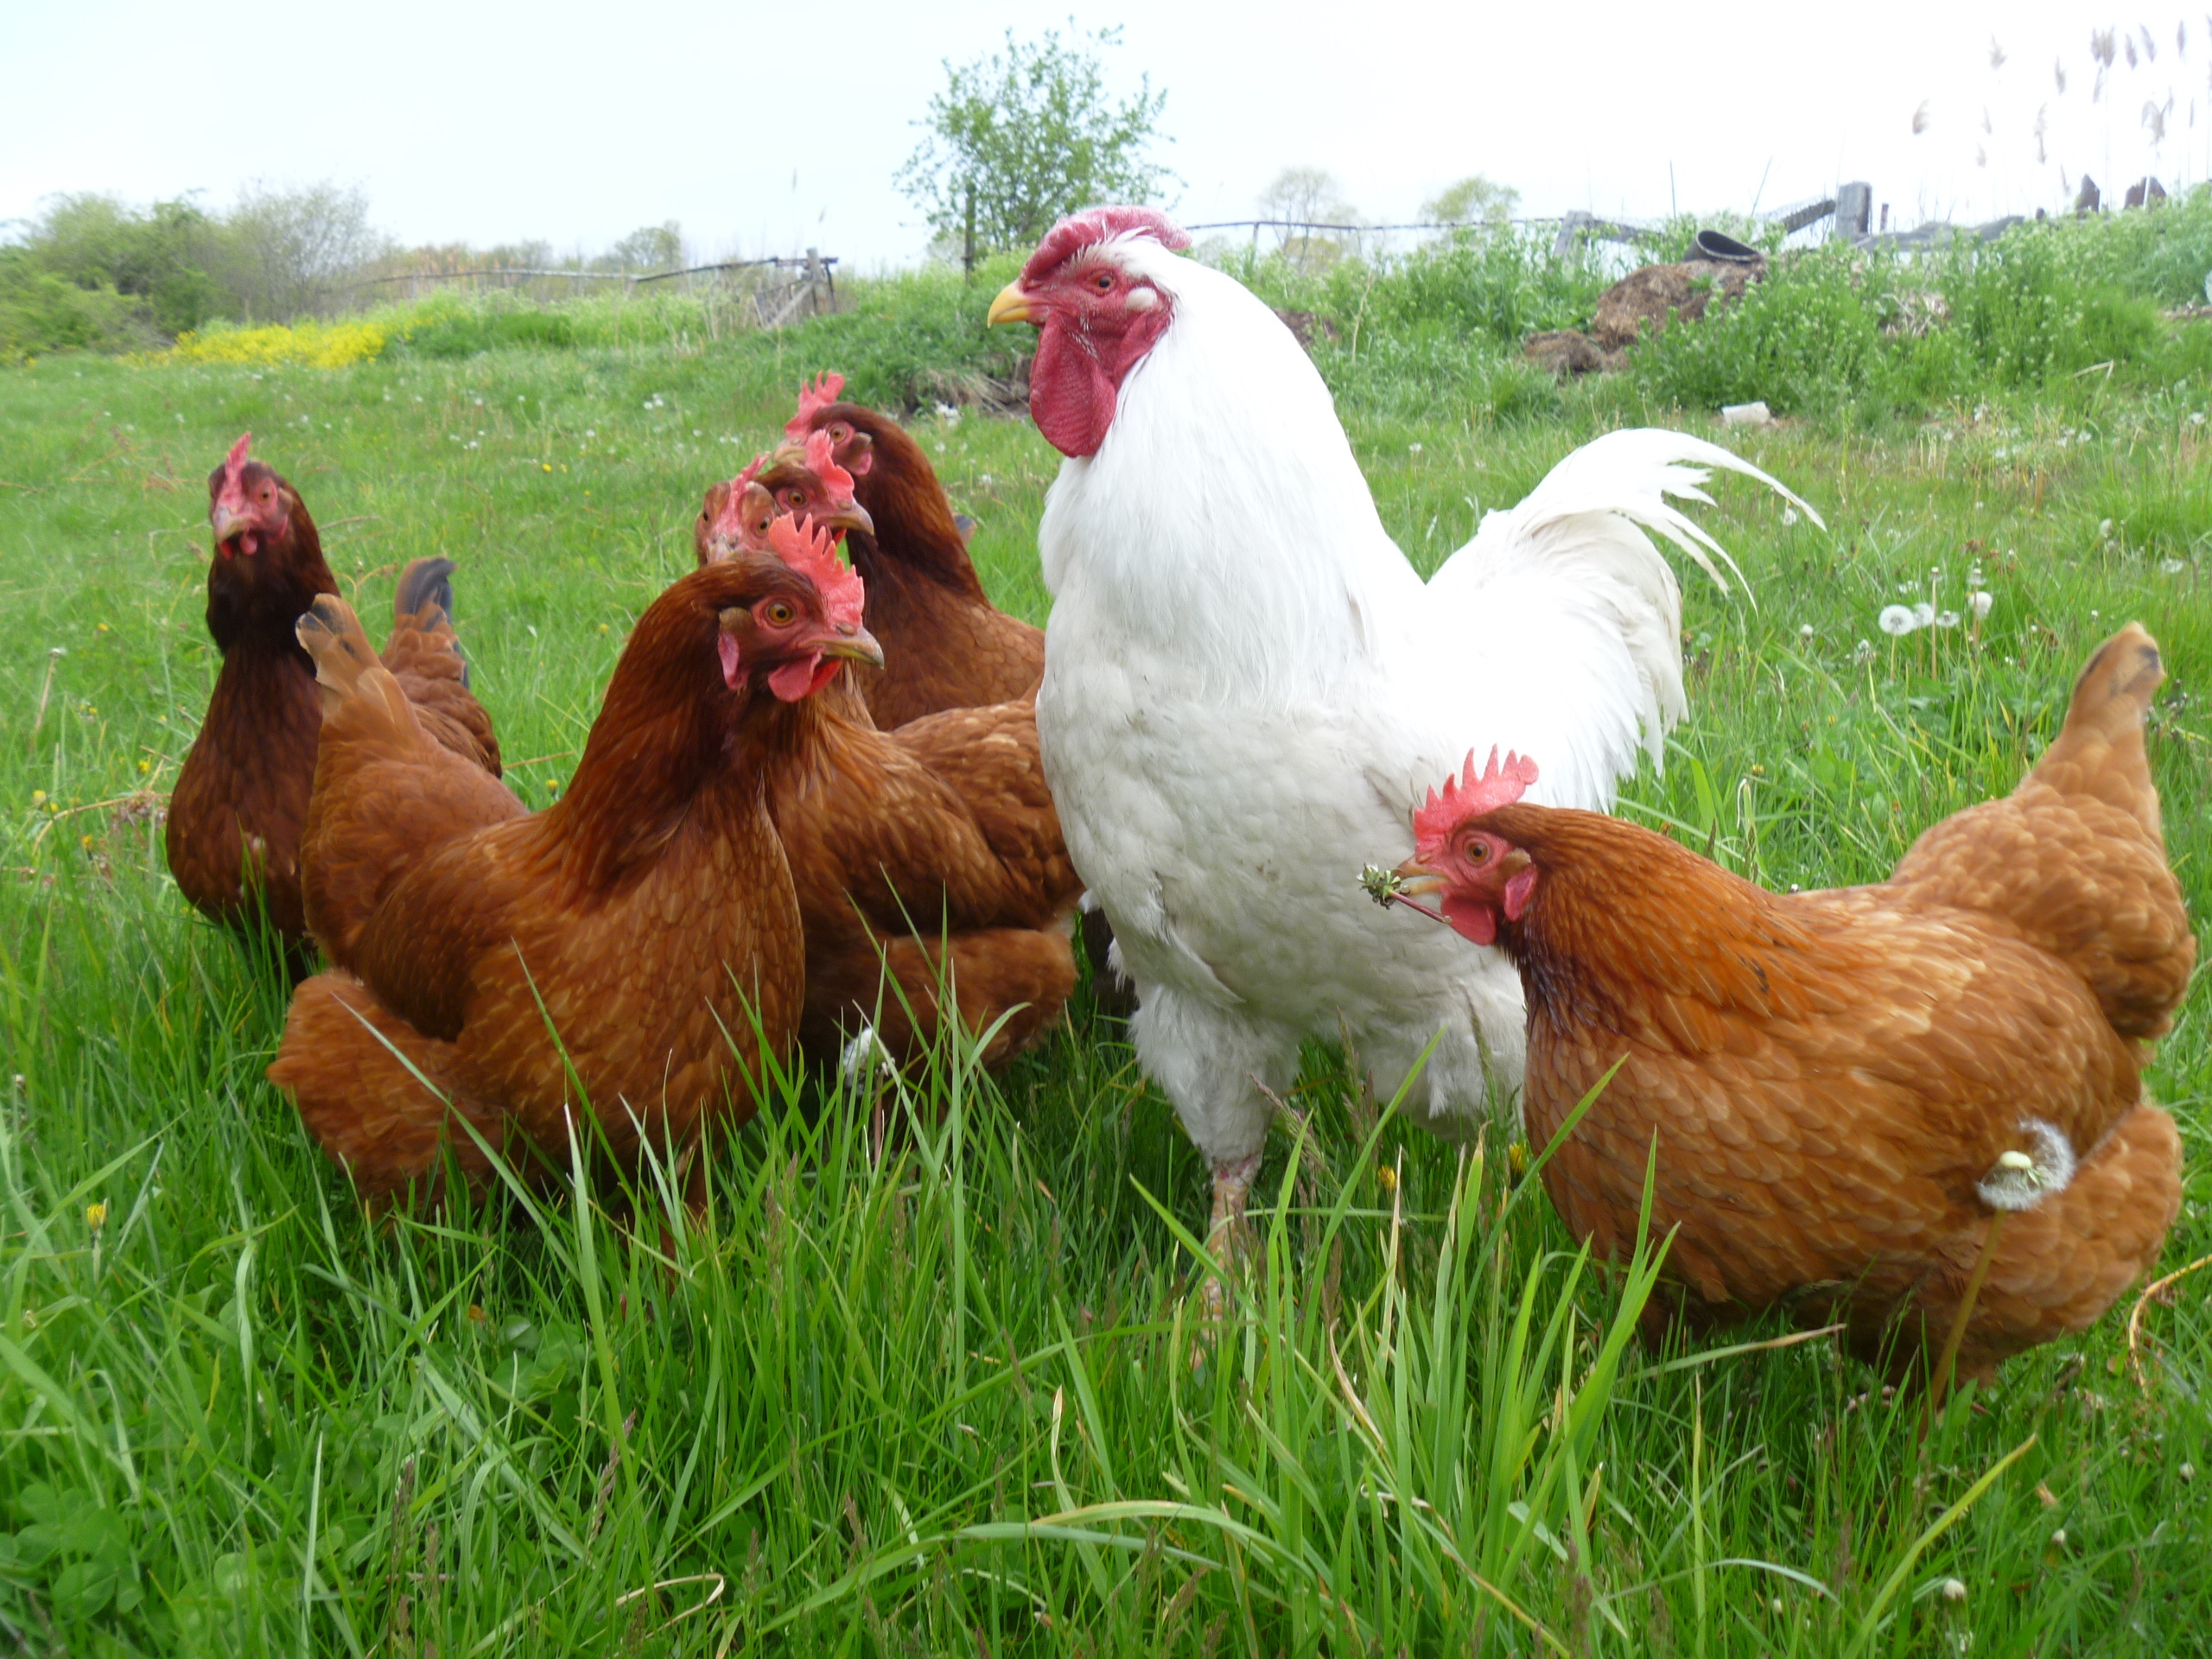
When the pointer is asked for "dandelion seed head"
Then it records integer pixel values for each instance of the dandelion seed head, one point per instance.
(1896, 619)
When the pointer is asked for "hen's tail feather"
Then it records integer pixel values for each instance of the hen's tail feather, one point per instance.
(2099, 752)
(363, 1104)
(424, 655)
(2073, 857)
(354, 681)
(424, 581)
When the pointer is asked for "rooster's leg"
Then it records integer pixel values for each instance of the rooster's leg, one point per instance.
(1228, 1240)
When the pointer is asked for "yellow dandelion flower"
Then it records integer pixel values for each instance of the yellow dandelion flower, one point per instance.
(96, 1216)
(1388, 1177)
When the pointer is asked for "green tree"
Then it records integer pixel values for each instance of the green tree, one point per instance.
(1026, 134)
(1473, 200)
(1304, 196)
(650, 247)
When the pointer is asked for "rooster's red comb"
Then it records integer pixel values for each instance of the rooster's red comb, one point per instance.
(823, 391)
(1469, 795)
(232, 495)
(1095, 225)
(814, 555)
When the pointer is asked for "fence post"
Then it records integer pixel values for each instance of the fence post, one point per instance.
(1854, 209)
(968, 245)
(1572, 224)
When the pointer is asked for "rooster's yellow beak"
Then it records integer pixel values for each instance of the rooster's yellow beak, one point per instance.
(1013, 305)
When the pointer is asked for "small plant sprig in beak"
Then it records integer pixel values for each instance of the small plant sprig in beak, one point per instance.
(1388, 887)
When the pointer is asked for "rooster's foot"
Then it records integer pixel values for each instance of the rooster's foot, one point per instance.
(1229, 1237)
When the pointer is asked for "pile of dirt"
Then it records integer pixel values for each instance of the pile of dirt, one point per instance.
(1638, 306)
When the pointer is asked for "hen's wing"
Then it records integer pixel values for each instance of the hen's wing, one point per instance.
(385, 790)
(424, 656)
(1557, 630)
(988, 758)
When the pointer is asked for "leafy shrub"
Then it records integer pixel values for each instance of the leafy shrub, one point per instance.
(41, 312)
(1808, 337)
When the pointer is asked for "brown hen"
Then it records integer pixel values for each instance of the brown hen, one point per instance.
(236, 814)
(1856, 1092)
(648, 918)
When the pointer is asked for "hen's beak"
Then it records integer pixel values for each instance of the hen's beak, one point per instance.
(857, 646)
(1014, 304)
(1415, 877)
(226, 524)
(848, 518)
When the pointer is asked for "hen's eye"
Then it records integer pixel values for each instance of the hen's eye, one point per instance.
(798, 497)
(778, 614)
(1103, 281)
(840, 433)
(1478, 851)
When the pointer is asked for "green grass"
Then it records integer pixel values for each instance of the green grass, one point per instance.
(953, 1401)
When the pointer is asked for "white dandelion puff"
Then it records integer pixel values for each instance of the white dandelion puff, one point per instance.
(1979, 603)
(1863, 651)
(2021, 1180)
(1924, 614)
(1896, 619)
(1805, 631)
(1947, 619)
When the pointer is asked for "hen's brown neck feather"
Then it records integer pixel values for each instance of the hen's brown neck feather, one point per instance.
(914, 532)
(1621, 915)
(671, 739)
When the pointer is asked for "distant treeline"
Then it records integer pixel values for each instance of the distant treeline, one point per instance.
(94, 272)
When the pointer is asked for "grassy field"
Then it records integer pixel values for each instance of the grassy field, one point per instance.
(952, 1402)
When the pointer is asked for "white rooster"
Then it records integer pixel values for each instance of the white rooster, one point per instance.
(1248, 689)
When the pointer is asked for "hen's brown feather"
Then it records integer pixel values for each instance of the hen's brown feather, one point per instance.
(945, 645)
(941, 832)
(1832, 1077)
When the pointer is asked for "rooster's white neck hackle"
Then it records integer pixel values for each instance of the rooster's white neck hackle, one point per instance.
(1193, 527)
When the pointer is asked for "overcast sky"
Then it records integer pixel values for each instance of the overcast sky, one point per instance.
(766, 129)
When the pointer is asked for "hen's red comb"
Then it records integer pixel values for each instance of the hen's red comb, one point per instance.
(822, 461)
(1469, 795)
(1095, 225)
(814, 555)
(730, 520)
(232, 496)
(813, 399)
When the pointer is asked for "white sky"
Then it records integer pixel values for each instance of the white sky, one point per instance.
(765, 129)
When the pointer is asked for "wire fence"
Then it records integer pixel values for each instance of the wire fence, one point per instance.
(775, 291)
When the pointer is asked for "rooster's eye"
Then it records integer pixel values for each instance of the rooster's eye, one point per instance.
(1104, 282)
